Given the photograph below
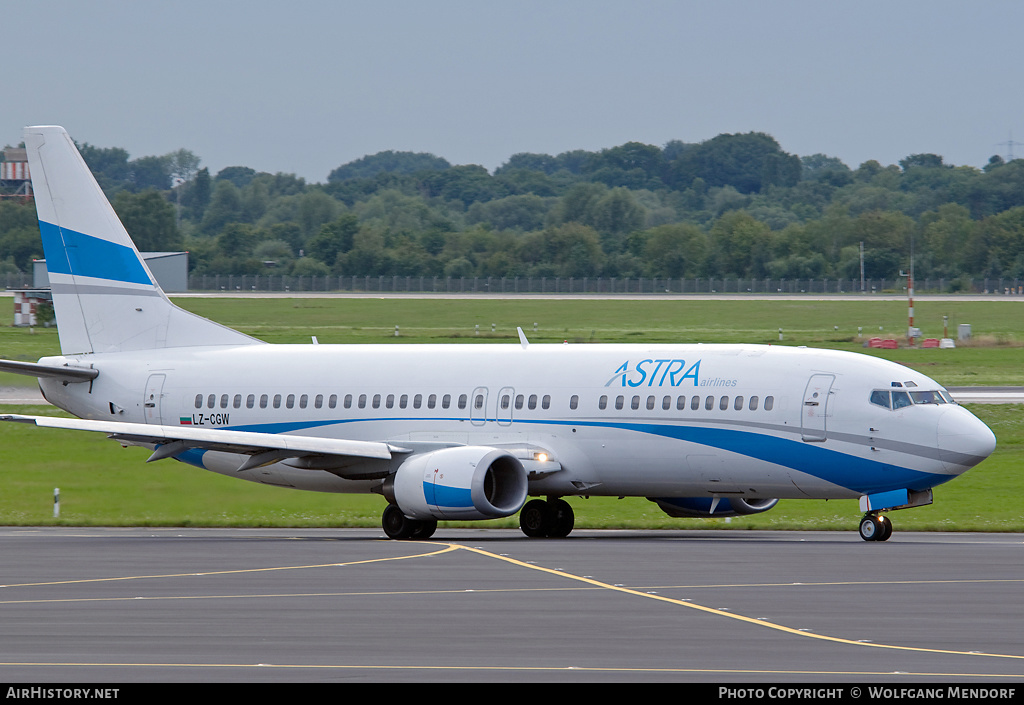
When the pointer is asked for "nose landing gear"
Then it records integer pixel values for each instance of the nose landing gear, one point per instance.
(875, 527)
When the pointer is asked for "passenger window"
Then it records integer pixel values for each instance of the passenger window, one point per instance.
(431, 401)
(376, 401)
(250, 401)
(650, 402)
(635, 403)
(478, 403)
(277, 401)
(709, 403)
(532, 404)
(462, 401)
(619, 402)
(723, 404)
(211, 401)
(574, 401)
(753, 404)
(290, 401)
(390, 401)
(506, 401)
(237, 401)
(602, 403)
(681, 403)
(318, 402)
(880, 398)
(362, 401)
(695, 403)
(223, 401)
(545, 403)
(769, 403)
(199, 401)
(519, 401)
(738, 404)
(303, 400)
(263, 401)
(446, 401)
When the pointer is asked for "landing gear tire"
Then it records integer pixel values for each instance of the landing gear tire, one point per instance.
(398, 526)
(533, 518)
(875, 528)
(562, 518)
(553, 518)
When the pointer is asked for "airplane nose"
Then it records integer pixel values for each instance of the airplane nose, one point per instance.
(964, 439)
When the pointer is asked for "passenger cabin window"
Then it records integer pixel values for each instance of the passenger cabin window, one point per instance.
(574, 401)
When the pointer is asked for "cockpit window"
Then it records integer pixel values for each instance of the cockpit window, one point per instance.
(898, 399)
(880, 398)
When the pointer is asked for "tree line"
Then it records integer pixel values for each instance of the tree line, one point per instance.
(736, 205)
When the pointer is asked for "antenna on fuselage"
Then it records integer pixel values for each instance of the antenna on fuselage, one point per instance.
(522, 338)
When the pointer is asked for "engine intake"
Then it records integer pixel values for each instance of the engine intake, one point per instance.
(701, 506)
(469, 482)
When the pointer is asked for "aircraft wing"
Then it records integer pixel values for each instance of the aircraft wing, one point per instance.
(262, 448)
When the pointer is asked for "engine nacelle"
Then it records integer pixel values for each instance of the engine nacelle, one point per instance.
(469, 482)
(701, 506)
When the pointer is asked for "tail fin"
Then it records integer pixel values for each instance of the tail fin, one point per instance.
(104, 296)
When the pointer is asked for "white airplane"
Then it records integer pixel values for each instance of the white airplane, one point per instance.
(462, 432)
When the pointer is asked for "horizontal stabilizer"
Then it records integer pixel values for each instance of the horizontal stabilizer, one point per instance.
(64, 373)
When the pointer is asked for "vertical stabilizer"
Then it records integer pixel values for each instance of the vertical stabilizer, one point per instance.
(104, 296)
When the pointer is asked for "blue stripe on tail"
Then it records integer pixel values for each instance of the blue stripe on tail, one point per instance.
(70, 252)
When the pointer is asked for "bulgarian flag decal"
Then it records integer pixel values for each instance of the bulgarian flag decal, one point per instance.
(185, 420)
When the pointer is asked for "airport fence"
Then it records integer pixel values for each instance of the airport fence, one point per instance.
(573, 285)
(589, 285)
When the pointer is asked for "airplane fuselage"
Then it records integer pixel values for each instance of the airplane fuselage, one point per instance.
(637, 420)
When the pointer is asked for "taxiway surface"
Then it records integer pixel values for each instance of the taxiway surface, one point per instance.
(192, 605)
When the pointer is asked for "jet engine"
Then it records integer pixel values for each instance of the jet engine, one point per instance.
(702, 506)
(468, 482)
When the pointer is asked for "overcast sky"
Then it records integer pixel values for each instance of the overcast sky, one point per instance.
(303, 87)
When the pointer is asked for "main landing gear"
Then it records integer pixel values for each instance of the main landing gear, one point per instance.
(398, 526)
(875, 527)
(552, 518)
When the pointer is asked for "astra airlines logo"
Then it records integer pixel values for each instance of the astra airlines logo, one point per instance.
(655, 373)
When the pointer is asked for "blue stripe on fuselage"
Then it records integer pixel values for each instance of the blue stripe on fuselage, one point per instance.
(71, 252)
(842, 469)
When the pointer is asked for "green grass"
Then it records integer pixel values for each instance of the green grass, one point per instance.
(102, 483)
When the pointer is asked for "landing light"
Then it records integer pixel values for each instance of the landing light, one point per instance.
(541, 457)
